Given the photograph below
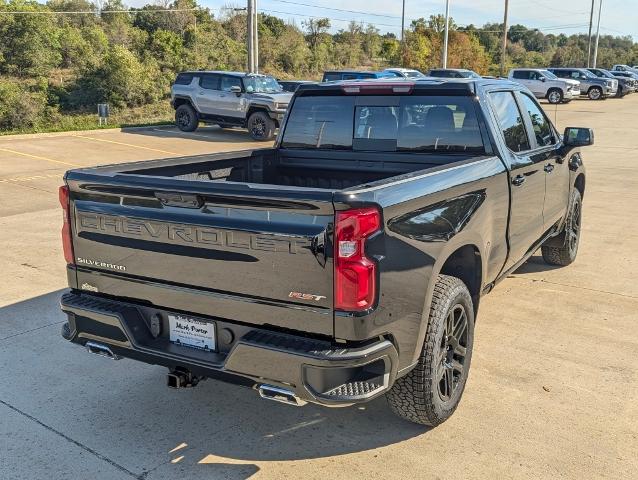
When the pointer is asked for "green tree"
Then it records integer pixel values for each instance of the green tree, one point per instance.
(30, 43)
(21, 106)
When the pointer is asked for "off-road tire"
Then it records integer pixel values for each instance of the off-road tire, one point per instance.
(417, 396)
(595, 93)
(566, 254)
(186, 118)
(555, 96)
(261, 127)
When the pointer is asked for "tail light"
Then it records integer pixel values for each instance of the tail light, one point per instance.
(355, 274)
(67, 244)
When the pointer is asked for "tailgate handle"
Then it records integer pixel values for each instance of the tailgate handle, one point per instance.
(175, 199)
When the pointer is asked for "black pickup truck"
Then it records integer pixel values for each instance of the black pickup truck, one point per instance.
(345, 263)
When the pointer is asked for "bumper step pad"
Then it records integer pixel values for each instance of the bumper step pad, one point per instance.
(353, 389)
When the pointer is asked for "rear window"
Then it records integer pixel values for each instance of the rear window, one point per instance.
(521, 74)
(320, 122)
(331, 77)
(184, 79)
(442, 124)
(358, 76)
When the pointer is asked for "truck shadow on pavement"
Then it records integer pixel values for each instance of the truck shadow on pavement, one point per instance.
(209, 133)
(535, 264)
(123, 411)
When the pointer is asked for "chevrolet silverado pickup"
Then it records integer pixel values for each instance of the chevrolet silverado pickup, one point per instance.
(344, 263)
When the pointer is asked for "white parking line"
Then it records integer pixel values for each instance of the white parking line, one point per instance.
(37, 157)
(31, 178)
(180, 134)
(126, 144)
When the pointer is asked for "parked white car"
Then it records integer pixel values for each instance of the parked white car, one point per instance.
(404, 72)
(544, 84)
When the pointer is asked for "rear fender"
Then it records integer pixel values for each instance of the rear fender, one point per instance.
(458, 241)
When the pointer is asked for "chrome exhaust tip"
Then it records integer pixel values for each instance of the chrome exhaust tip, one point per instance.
(281, 395)
(102, 350)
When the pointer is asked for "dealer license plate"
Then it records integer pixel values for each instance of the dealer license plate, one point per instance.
(193, 333)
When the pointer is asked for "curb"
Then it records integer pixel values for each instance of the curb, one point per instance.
(23, 136)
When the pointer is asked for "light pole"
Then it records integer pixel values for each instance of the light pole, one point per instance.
(600, 9)
(447, 31)
(504, 46)
(255, 36)
(249, 37)
(591, 20)
(402, 21)
(403, 35)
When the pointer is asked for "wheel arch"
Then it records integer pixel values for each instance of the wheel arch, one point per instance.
(579, 184)
(466, 264)
(256, 108)
(179, 101)
(463, 260)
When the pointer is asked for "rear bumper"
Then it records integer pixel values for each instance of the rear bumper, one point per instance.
(314, 370)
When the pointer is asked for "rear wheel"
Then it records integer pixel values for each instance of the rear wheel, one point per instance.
(261, 127)
(595, 93)
(566, 254)
(554, 96)
(186, 118)
(430, 393)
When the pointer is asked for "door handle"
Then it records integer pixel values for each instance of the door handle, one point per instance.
(549, 168)
(518, 180)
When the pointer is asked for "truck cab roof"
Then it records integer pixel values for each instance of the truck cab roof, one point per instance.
(224, 72)
(386, 86)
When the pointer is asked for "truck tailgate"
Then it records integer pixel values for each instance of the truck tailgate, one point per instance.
(250, 254)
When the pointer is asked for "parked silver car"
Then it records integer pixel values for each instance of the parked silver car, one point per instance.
(544, 84)
(453, 73)
(594, 87)
(624, 68)
(229, 99)
(631, 78)
(625, 85)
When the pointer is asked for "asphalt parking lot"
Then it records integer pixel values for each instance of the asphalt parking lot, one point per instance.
(552, 393)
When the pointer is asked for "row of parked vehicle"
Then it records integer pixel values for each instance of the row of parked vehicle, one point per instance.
(561, 85)
(259, 102)
(337, 75)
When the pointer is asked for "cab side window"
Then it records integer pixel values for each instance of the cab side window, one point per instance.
(521, 75)
(209, 82)
(542, 128)
(510, 120)
(228, 82)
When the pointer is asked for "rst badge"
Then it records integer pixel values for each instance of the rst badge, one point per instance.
(306, 296)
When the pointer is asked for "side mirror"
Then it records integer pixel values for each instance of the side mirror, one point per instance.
(236, 90)
(578, 137)
(543, 79)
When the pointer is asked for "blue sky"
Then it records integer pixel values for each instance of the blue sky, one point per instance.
(620, 17)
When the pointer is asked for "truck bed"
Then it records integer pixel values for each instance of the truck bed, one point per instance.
(330, 170)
